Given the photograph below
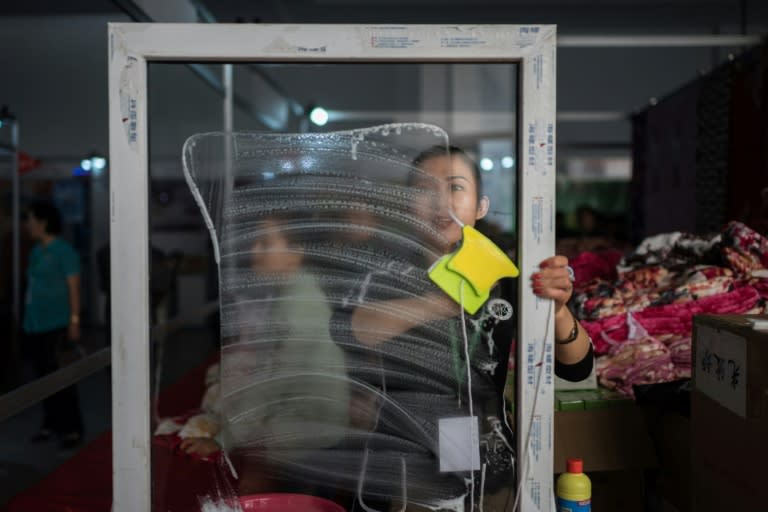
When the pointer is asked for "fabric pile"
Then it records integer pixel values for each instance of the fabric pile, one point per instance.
(640, 312)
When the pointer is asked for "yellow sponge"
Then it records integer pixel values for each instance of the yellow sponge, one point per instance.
(479, 263)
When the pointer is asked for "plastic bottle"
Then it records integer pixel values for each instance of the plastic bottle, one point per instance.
(574, 490)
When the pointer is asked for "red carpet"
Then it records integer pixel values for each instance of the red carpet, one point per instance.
(84, 482)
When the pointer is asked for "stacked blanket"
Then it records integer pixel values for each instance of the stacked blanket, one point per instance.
(640, 311)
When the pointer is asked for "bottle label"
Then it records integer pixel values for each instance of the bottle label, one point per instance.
(564, 505)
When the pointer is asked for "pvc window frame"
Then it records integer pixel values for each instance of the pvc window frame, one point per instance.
(132, 46)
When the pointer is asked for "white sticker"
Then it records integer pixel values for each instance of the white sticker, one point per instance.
(459, 444)
(129, 93)
(537, 217)
(721, 368)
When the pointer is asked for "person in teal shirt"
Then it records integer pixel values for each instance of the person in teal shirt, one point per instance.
(52, 317)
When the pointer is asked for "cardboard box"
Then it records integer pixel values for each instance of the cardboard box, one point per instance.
(674, 452)
(609, 439)
(618, 490)
(729, 414)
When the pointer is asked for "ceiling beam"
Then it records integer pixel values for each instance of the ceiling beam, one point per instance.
(657, 41)
(208, 75)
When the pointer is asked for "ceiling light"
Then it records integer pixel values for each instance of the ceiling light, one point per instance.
(319, 116)
(99, 162)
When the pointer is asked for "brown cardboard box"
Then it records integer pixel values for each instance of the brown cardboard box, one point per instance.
(674, 449)
(616, 447)
(618, 490)
(606, 439)
(729, 415)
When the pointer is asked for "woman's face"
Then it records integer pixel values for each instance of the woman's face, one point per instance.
(272, 252)
(456, 192)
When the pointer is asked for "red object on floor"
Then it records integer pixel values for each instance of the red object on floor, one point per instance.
(288, 503)
(84, 482)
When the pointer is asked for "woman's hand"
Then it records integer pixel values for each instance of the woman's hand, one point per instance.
(553, 281)
(202, 446)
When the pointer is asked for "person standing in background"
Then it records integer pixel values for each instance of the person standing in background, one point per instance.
(52, 318)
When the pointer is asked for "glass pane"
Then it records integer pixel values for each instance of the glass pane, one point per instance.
(342, 372)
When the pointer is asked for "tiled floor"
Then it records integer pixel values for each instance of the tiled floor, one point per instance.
(22, 463)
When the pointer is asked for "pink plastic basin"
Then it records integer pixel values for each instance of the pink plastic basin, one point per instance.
(288, 503)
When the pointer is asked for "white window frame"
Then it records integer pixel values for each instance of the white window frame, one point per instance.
(133, 45)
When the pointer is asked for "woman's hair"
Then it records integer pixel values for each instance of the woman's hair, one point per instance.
(45, 211)
(441, 150)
